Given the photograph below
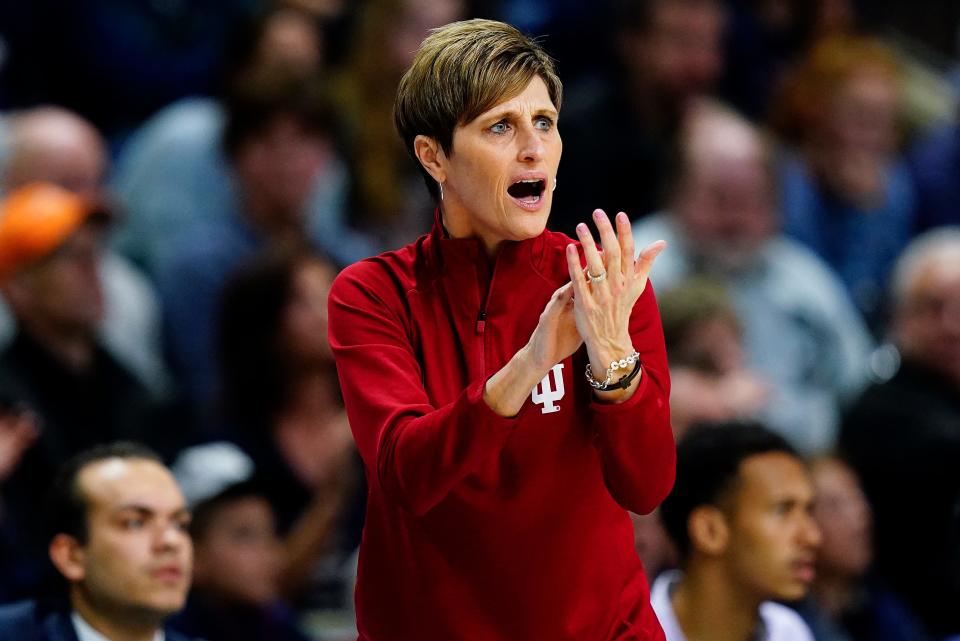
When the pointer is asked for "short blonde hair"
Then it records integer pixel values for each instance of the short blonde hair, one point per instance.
(461, 70)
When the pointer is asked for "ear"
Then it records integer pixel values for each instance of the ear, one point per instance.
(68, 557)
(709, 533)
(431, 156)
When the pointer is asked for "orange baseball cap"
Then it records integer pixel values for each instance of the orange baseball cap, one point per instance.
(34, 221)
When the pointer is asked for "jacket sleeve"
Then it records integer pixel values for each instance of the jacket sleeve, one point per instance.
(634, 438)
(418, 452)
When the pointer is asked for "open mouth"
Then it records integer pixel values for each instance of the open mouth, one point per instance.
(528, 192)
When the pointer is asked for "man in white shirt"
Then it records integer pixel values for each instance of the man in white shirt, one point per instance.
(740, 516)
(119, 538)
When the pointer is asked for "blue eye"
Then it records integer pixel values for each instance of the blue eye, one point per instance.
(544, 123)
(499, 128)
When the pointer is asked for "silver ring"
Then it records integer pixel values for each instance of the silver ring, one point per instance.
(599, 278)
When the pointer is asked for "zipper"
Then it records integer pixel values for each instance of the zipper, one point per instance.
(481, 321)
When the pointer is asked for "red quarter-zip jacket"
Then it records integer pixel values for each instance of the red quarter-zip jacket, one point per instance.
(482, 527)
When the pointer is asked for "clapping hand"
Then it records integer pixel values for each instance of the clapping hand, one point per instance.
(605, 292)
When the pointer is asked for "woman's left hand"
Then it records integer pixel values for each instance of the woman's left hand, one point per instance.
(603, 304)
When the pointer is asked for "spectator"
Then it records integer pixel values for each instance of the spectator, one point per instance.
(118, 536)
(237, 553)
(766, 36)
(800, 331)
(50, 247)
(279, 137)
(903, 436)
(281, 398)
(670, 53)
(390, 199)
(710, 380)
(740, 517)
(50, 144)
(173, 174)
(847, 194)
(846, 604)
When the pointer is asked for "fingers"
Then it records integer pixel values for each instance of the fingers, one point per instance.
(577, 280)
(625, 235)
(610, 244)
(560, 299)
(647, 255)
(594, 260)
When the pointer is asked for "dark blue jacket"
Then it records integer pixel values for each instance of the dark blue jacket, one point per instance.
(38, 621)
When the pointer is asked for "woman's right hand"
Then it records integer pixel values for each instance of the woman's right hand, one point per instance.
(555, 336)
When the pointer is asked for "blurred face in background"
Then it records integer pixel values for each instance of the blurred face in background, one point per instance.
(277, 167)
(291, 38)
(63, 291)
(773, 538)
(410, 27)
(713, 344)
(681, 52)
(862, 114)
(845, 520)
(724, 199)
(927, 322)
(237, 556)
(304, 330)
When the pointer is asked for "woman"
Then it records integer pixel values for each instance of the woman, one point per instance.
(498, 478)
(281, 397)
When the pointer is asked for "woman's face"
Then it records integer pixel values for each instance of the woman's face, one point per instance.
(862, 116)
(498, 178)
(305, 321)
(845, 519)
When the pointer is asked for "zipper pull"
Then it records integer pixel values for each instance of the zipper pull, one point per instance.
(481, 321)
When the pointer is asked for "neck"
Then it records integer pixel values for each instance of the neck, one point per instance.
(706, 613)
(74, 348)
(457, 226)
(835, 594)
(119, 625)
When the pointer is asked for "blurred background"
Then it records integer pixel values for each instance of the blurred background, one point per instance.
(801, 156)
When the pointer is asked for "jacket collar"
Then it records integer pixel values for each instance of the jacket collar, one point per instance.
(458, 256)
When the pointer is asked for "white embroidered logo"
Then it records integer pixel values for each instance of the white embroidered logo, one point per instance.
(547, 395)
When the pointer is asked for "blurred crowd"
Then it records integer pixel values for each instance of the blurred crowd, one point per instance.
(182, 180)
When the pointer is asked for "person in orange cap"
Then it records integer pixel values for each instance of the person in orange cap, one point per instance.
(51, 241)
(54, 145)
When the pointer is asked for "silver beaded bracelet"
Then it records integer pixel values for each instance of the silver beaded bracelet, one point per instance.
(607, 383)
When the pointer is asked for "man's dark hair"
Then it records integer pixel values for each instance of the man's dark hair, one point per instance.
(66, 503)
(708, 462)
(205, 512)
(256, 99)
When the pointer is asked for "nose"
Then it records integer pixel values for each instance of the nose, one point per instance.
(531, 148)
(170, 537)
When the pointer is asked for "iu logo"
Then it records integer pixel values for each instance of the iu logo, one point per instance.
(546, 394)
